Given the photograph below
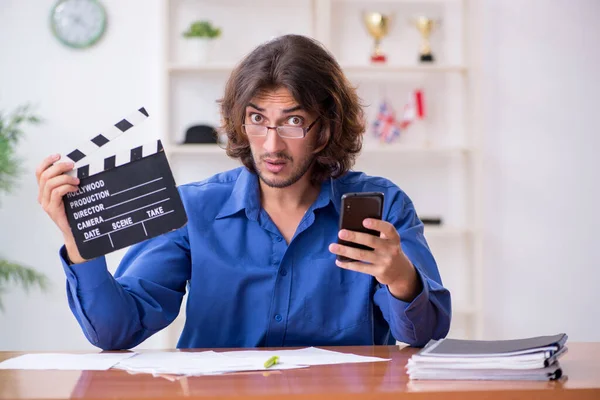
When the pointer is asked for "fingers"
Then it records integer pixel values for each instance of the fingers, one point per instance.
(366, 256)
(388, 230)
(56, 196)
(48, 161)
(50, 173)
(362, 238)
(52, 185)
(357, 266)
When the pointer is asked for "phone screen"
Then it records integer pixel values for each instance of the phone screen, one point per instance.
(355, 208)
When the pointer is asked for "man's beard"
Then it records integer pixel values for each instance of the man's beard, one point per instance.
(295, 176)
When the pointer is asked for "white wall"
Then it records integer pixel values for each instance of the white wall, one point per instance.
(542, 97)
(76, 92)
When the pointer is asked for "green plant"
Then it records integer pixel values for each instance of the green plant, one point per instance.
(202, 29)
(11, 131)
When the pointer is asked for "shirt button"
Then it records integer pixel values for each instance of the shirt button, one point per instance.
(278, 318)
(279, 239)
(283, 272)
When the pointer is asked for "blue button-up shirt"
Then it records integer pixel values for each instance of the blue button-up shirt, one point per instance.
(247, 287)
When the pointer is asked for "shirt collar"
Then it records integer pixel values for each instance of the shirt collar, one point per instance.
(246, 196)
(329, 194)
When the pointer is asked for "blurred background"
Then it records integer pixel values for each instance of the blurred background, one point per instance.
(494, 135)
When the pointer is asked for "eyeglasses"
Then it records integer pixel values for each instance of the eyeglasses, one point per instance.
(292, 132)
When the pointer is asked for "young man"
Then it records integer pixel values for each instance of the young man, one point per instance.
(258, 254)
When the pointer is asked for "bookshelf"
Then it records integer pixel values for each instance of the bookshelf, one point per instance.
(437, 161)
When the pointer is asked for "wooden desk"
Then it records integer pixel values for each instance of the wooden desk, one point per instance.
(385, 380)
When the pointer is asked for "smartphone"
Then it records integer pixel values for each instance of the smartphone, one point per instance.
(355, 208)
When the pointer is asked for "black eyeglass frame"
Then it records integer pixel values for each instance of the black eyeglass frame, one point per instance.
(304, 130)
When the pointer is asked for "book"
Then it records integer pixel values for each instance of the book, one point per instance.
(534, 358)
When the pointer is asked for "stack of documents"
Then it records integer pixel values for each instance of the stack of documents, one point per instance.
(213, 363)
(183, 363)
(533, 358)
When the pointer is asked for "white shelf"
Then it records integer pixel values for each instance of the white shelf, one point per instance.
(445, 231)
(399, 1)
(388, 73)
(373, 71)
(399, 69)
(197, 69)
(367, 149)
(194, 149)
(377, 148)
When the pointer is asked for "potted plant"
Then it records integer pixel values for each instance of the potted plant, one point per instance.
(11, 131)
(200, 37)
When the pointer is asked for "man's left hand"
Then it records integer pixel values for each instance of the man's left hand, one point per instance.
(387, 263)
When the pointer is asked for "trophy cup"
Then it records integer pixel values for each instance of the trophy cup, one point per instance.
(378, 26)
(425, 26)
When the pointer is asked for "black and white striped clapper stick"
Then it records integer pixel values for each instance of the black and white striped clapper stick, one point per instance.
(87, 148)
(123, 199)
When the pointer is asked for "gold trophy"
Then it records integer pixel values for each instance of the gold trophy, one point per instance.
(378, 25)
(425, 26)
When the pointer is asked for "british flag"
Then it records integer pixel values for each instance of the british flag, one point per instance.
(385, 126)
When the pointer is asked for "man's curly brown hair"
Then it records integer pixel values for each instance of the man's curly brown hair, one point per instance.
(317, 83)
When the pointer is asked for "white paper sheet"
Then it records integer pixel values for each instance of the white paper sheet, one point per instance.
(196, 363)
(78, 362)
(308, 356)
(212, 363)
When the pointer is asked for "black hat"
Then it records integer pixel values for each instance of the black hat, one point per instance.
(201, 134)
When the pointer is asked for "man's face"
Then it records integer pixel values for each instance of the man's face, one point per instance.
(280, 161)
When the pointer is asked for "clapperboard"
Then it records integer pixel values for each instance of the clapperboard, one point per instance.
(123, 199)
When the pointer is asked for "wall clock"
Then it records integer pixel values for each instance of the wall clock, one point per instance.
(78, 23)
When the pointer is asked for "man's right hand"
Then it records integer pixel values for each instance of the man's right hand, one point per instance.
(53, 184)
